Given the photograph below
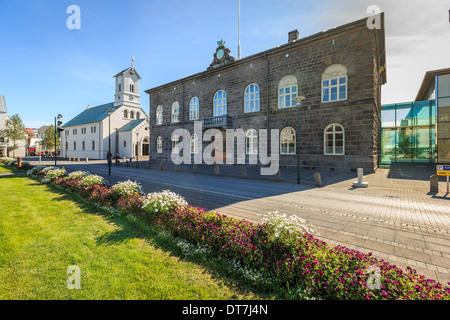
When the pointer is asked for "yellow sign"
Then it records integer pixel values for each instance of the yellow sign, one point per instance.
(443, 173)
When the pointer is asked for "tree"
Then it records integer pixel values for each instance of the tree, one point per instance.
(48, 141)
(14, 131)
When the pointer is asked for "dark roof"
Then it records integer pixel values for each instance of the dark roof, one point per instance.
(124, 71)
(94, 114)
(131, 125)
(427, 82)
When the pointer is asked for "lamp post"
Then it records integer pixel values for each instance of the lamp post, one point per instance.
(299, 103)
(56, 131)
(108, 157)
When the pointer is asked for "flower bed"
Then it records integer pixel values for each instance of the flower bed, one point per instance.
(13, 163)
(281, 247)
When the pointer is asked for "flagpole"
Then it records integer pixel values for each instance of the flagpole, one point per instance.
(239, 30)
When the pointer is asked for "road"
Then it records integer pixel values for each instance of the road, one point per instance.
(401, 225)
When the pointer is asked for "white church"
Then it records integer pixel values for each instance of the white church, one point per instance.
(123, 124)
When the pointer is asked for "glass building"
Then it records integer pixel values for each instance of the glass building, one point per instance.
(408, 132)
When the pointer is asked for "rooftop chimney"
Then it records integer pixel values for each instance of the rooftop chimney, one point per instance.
(89, 106)
(293, 36)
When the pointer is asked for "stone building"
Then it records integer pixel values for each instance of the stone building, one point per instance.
(339, 72)
(123, 123)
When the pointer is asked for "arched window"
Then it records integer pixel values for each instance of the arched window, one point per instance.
(194, 113)
(175, 115)
(120, 87)
(131, 115)
(251, 142)
(138, 115)
(159, 115)
(175, 144)
(334, 140)
(124, 143)
(74, 145)
(287, 91)
(334, 83)
(83, 146)
(194, 143)
(220, 103)
(131, 86)
(125, 113)
(159, 145)
(251, 99)
(93, 145)
(287, 141)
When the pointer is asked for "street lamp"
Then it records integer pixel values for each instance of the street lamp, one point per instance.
(56, 130)
(299, 103)
(110, 110)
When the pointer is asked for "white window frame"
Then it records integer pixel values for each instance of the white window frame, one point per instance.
(220, 103)
(336, 73)
(194, 143)
(287, 91)
(159, 115)
(194, 109)
(337, 129)
(251, 98)
(288, 134)
(251, 142)
(159, 145)
(175, 112)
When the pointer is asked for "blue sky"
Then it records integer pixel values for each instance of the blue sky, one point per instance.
(47, 68)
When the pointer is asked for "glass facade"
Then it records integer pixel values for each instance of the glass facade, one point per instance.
(443, 117)
(408, 132)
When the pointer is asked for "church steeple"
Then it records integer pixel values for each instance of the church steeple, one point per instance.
(127, 87)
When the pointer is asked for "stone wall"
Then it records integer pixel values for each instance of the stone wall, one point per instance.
(352, 45)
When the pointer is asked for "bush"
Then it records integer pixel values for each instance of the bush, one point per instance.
(90, 180)
(126, 188)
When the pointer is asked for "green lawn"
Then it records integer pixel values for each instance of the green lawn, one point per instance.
(6, 169)
(43, 231)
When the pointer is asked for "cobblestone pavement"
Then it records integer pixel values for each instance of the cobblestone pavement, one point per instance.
(395, 218)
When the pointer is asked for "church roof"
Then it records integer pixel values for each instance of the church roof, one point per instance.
(94, 114)
(126, 70)
(131, 125)
(3, 104)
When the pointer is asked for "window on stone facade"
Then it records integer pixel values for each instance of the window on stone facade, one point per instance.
(220, 103)
(159, 115)
(251, 99)
(175, 144)
(194, 143)
(334, 83)
(83, 146)
(287, 91)
(159, 145)
(175, 114)
(251, 142)
(287, 141)
(124, 143)
(93, 145)
(74, 145)
(125, 113)
(334, 142)
(120, 88)
(138, 115)
(194, 109)
(131, 115)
